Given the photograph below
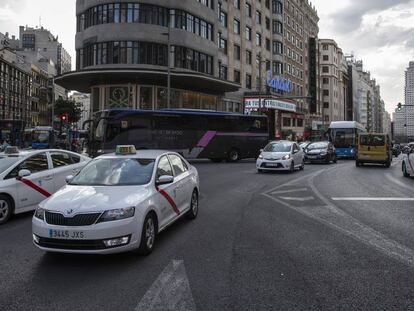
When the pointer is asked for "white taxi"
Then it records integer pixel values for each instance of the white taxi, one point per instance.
(281, 155)
(408, 163)
(29, 177)
(118, 202)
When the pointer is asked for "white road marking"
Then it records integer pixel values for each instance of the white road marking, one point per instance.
(297, 198)
(398, 182)
(373, 199)
(339, 220)
(170, 291)
(289, 191)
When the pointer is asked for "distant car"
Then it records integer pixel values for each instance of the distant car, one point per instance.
(408, 164)
(396, 150)
(29, 177)
(322, 151)
(118, 202)
(281, 155)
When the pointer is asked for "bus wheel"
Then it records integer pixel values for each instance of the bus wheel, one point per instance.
(216, 160)
(233, 155)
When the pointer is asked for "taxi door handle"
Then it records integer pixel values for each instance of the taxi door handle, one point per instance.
(48, 178)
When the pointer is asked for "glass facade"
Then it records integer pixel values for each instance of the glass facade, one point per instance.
(144, 14)
(133, 52)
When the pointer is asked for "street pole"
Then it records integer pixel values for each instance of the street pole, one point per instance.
(53, 101)
(169, 66)
(260, 82)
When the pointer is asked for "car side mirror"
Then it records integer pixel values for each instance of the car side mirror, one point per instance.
(261, 150)
(24, 173)
(164, 179)
(295, 151)
(69, 178)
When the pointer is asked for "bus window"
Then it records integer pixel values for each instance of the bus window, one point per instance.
(343, 138)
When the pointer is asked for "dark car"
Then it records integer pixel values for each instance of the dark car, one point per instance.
(322, 152)
(396, 150)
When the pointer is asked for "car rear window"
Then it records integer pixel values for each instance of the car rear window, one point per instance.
(372, 140)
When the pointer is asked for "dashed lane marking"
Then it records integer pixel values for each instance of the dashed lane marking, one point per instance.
(372, 199)
(289, 191)
(297, 199)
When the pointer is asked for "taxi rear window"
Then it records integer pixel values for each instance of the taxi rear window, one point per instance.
(372, 140)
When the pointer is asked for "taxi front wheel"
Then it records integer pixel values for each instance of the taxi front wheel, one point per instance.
(192, 213)
(149, 232)
(6, 209)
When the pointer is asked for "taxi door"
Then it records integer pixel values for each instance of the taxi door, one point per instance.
(410, 166)
(182, 178)
(168, 193)
(33, 189)
(63, 166)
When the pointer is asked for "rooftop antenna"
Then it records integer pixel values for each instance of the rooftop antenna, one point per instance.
(40, 21)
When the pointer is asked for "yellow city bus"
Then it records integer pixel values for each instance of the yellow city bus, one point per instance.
(373, 148)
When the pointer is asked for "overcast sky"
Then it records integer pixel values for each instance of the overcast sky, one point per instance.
(380, 32)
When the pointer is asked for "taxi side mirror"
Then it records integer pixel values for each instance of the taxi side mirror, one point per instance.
(69, 178)
(24, 173)
(164, 179)
(261, 150)
(295, 151)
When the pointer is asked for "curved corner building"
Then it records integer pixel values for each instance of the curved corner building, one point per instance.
(122, 54)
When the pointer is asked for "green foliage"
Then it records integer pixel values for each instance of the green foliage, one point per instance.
(70, 108)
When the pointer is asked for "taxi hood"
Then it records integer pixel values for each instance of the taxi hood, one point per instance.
(95, 198)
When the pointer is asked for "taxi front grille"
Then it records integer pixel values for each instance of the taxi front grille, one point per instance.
(77, 220)
(71, 244)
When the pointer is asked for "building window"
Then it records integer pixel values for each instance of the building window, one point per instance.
(267, 44)
(248, 57)
(299, 122)
(325, 47)
(325, 57)
(222, 72)
(267, 23)
(286, 122)
(236, 76)
(248, 9)
(325, 69)
(325, 92)
(258, 39)
(223, 18)
(277, 7)
(236, 52)
(236, 26)
(248, 81)
(325, 80)
(248, 33)
(277, 68)
(278, 28)
(258, 17)
(237, 4)
(326, 105)
(277, 47)
(223, 45)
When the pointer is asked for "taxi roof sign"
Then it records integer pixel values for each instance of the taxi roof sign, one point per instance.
(11, 150)
(125, 150)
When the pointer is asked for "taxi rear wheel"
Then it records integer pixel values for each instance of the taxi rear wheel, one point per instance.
(404, 169)
(148, 235)
(6, 209)
(193, 212)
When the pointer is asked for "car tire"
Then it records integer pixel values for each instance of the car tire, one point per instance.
(233, 155)
(404, 169)
(260, 170)
(193, 212)
(6, 208)
(292, 167)
(148, 235)
(302, 167)
(388, 164)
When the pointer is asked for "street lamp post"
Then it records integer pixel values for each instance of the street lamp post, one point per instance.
(168, 34)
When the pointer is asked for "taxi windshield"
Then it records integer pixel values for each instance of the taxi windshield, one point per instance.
(115, 172)
(6, 162)
(278, 147)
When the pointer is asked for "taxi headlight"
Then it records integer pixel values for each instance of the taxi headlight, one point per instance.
(286, 157)
(323, 153)
(117, 214)
(39, 213)
(260, 156)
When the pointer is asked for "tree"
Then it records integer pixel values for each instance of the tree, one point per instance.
(70, 108)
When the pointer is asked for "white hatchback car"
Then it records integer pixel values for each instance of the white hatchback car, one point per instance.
(118, 202)
(281, 155)
(29, 177)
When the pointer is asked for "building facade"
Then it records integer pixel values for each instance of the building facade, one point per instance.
(85, 101)
(237, 56)
(41, 40)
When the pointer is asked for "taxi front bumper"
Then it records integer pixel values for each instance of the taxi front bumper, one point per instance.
(125, 235)
(273, 165)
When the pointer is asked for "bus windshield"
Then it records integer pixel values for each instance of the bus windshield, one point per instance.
(343, 138)
(41, 136)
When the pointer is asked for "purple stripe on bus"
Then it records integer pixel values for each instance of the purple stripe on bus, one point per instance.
(207, 137)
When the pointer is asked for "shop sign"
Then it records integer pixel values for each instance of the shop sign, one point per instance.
(252, 104)
(278, 83)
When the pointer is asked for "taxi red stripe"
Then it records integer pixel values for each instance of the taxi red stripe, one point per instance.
(170, 200)
(32, 185)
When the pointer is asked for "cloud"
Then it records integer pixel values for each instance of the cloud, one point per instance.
(350, 18)
(6, 13)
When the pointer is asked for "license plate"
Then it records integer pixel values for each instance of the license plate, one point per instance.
(66, 234)
(312, 157)
(272, 164)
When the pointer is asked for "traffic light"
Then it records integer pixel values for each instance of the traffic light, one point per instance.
(399, 106)
(64, 118)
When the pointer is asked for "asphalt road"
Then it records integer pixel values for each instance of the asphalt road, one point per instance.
(318, 239)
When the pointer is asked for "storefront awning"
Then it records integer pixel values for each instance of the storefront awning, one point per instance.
(83, 80)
